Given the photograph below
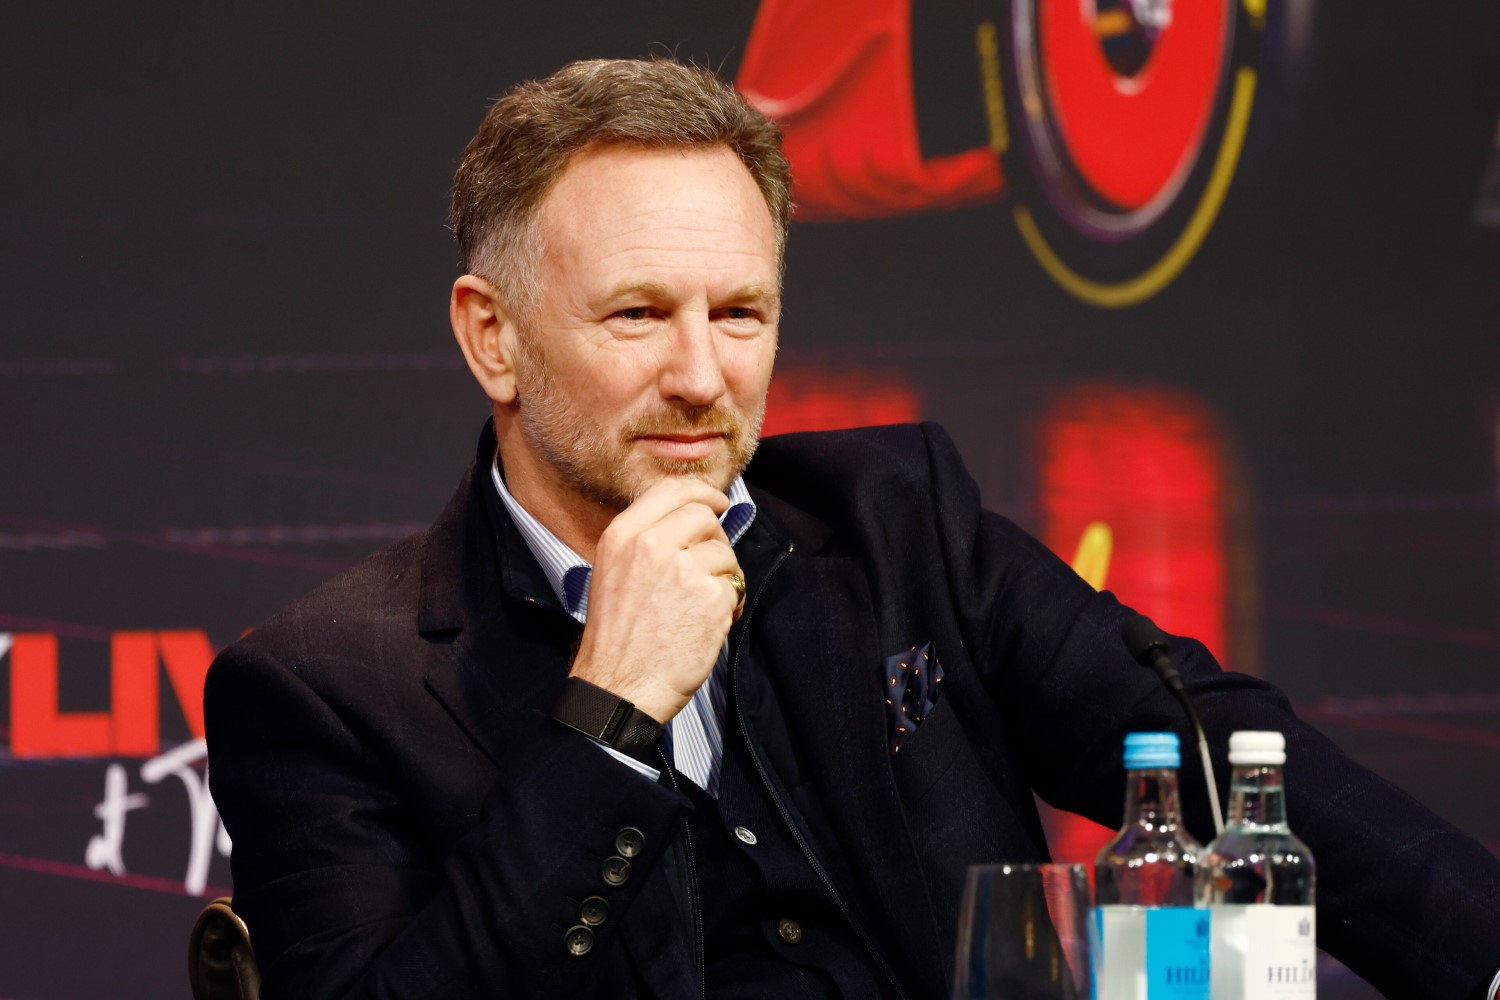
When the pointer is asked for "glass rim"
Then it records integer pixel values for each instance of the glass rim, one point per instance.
(1013, 867)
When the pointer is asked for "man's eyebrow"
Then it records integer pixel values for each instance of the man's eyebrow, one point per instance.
(631, 289)
(654, 290)
(754, 293)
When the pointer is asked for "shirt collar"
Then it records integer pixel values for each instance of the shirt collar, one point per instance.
(567, 571)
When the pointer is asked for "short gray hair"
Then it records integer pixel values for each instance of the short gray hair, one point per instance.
(530, 134)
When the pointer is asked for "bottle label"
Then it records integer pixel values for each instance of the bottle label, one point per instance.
(1177, 953)
(1119, 952)
(1261, 952)
(1151, 953)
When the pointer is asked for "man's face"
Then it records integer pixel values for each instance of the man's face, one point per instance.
(650, 351)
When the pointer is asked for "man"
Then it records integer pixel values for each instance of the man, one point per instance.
(624, 723)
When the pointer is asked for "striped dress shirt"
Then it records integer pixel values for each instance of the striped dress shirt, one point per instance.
(695, 737)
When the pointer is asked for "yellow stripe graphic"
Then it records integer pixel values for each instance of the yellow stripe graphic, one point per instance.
(1160, 274)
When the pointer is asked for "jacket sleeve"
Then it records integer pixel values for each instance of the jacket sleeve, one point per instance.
(345, 898)
(1405, 899)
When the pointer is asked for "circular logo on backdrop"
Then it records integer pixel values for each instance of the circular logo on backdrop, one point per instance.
(1112, 127)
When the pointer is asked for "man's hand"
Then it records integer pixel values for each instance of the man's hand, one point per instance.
(660, 599)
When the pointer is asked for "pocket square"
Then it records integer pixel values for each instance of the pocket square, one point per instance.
(911, 690)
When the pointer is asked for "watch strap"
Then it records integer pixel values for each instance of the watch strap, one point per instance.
(607, 718)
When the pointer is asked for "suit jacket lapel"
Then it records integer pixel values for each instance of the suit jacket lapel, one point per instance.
(498, 637)
(500, 643)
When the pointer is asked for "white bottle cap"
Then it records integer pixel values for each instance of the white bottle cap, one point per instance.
(1250, 749)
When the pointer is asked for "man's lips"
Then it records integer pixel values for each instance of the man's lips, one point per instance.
(697, 444)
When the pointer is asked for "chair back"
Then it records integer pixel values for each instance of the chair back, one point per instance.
(221, 965)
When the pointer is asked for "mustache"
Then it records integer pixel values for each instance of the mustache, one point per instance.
(714, 418)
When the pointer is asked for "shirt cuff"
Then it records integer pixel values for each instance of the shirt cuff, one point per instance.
(655, 775)
(1494, 987)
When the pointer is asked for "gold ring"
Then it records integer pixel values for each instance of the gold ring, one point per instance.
(738, 583)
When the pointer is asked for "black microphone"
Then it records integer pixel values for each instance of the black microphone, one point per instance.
(1148, 645)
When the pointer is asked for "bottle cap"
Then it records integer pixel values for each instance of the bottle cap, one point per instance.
(1250, 749)
(1151, 750)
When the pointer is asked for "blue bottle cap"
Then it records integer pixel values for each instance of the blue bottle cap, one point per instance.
(1150, 750)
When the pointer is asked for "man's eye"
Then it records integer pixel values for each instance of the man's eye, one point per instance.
(739, 312)
(635, 314)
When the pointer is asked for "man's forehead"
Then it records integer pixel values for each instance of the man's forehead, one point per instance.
(597, 170)
(622, 209)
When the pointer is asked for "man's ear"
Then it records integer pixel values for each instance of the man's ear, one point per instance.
(486, 333)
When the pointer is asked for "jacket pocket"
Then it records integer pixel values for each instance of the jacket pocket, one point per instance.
(926, 754)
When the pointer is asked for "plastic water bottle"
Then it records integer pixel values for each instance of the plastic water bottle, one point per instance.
(1148, 939)
(1259, 881)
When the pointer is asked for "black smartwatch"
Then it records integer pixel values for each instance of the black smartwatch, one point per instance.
(607, 718)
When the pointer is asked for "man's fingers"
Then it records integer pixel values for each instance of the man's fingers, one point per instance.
(672, 513)
(664, 569)
(716, 559)
(666, 495)
(741, 588)
(688, 525)
(713, 557)
(705, 570)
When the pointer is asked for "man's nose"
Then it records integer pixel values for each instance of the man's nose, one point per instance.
(691, 369)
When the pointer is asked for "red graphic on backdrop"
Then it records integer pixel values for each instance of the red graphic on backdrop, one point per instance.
(815, 399)
(131, 727)
(1131, 126)
(837, 78)
(1114, 127)
(1127, 93)
(1149, 464)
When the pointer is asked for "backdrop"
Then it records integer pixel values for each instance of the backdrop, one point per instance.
(1205, 291)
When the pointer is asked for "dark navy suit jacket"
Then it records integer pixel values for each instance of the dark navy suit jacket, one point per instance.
(408, 822)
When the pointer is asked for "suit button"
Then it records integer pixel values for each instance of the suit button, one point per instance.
(746, 836)
(579, 941)
(790, 930)
(629, 842)
(592, 911)
(615, 870)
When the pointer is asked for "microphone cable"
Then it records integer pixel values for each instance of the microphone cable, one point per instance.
(1148, 644)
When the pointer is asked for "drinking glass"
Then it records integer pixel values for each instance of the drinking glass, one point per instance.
(1023, 933)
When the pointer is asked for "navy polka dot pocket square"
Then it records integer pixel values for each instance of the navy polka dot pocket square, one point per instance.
(912, 678)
